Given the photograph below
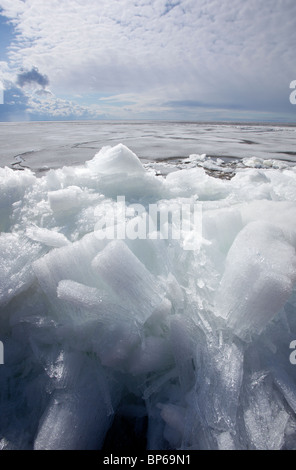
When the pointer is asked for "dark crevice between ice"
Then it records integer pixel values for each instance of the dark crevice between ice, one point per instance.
(127, 433)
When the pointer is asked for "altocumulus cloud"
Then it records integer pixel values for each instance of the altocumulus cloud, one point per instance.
(165, 55)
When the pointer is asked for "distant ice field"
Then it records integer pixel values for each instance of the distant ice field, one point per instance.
(43, 145)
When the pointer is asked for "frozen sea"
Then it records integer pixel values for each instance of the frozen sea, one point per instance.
(43, 145)
(147, 286)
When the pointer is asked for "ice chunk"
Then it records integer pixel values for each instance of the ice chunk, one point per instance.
(68, 201)
(195, 181)
(117, 171)
(153, 255)
(132, 186)
(286, 385)
(128, 278)
(174, 417)
(115, 342)
(79, 294)
(47, 237)
(83, 303)
(196, 157)
(213, 402)
(69, 262)
(16, 256)
(254, 177)
(281, 213)
(258, 180)
(77, 417)
(175, 293)
(64, 199)
(253, 162)
(94, 301)
(13, 185)
(152, 355)
(259, 277)
(225, 441)
(220, 226)
(219, 383)
(265, 417)
(158, 323)
(101, 326)
(182, 333)
(118, 159)
(193, 176)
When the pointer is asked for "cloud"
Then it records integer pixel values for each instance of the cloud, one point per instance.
(235, 53)
(20, 104)
(32, 77)
(15, 104)
(199, 104)
(42, 106)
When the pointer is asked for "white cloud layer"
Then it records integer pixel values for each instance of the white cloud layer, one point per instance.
(167, 54)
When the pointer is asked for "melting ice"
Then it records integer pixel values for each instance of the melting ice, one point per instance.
(191, 347)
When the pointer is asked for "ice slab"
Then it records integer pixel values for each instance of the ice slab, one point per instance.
(48, 237)
(260, 273)
(153, 355)
(195, 181)
(221, 368)
(77, 417)
(132, 283)
(16, 257)
(265, 417)
(69, 262)
(13, 186)
(100, 325)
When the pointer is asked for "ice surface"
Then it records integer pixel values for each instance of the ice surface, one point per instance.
(191, 346)
(258, 279)
(50, 144)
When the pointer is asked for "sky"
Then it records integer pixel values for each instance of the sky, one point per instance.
(195, 60)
